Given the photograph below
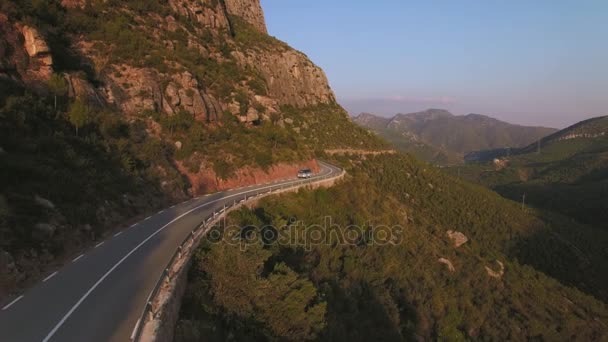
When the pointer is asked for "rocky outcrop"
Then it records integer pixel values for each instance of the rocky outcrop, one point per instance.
(581, 135)
(24, 53)
(184, 94)
(136, 90)
(250, 10)
(458, 238)
(38, 51)
(496, 274)
(448, 263)
(292, 79)
(202, 12)
(82, 89)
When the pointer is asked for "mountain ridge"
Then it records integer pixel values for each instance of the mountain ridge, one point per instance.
(452, 136)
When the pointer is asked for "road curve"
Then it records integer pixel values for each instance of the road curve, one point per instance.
(100, 295)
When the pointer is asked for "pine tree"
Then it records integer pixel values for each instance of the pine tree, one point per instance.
(78, 115)
(58, 87)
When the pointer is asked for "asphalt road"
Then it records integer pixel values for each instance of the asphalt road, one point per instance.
(100, 294)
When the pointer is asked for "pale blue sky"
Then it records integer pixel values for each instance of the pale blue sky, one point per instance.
(529, 62)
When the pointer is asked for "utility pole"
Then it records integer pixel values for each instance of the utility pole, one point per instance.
(523, 202)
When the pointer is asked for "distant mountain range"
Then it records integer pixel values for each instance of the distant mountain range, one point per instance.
(441, 137)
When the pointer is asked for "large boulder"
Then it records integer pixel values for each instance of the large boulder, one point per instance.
(458, 238)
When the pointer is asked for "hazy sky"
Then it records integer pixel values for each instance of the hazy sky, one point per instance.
(528, 62)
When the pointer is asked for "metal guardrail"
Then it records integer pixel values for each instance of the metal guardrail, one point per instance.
(148, 312)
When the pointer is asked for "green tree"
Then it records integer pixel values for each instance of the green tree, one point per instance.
(78, 115)
(58, 87)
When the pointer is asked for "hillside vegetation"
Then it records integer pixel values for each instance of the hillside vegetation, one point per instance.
(567, 173)
(512, 279)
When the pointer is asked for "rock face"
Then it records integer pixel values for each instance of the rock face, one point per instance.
(288, 76)
(137, 90)
(39, 52)
(24, 53)
(291, 77)
(82, 89)
(202, 12)
(184, 94)
(250, 10)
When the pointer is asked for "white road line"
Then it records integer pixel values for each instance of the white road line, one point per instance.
(147, 218)
(11, 303)
(135, 329)
(115, 235)
(78, 257)
(162, 211)
(88, 293)
(173, 206)
(133, 225)
(99, 244)
(49, 277)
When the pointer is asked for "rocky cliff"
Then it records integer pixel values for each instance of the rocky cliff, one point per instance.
(201, 57)
(250, 10)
